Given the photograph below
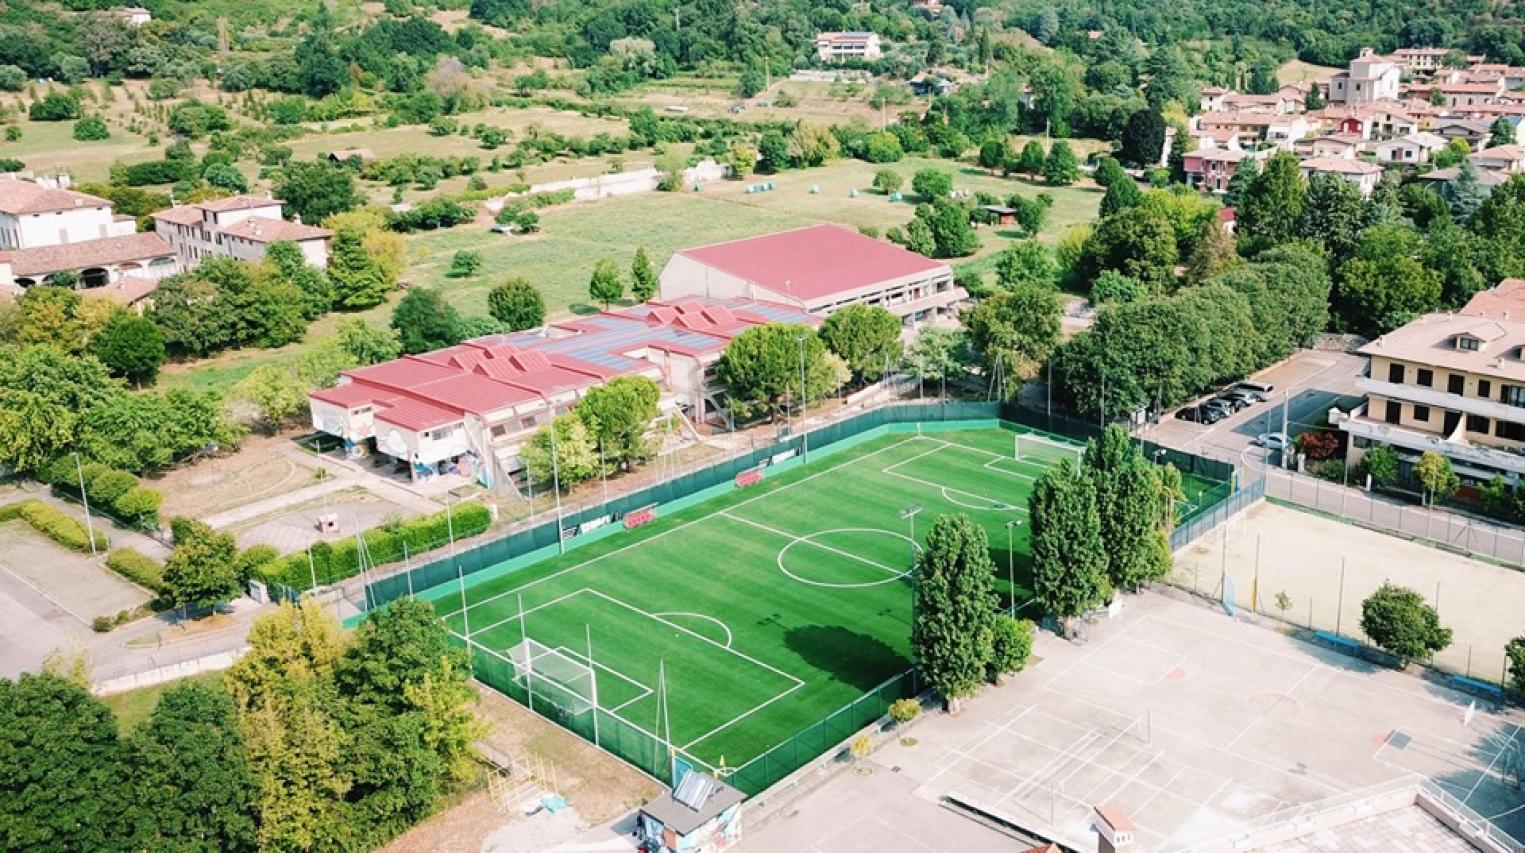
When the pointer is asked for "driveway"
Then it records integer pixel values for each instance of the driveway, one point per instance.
(1307, 385)
(31, 626)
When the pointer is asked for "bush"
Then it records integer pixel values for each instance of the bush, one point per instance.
(55, 106)
(139, 506)
(138, 568)
(253, 560)
(1515, 651)
(91, 129)
(904, 710)
(59, 526)
(102, 624)
(106, 486)
(387, 543)
(1012, 644)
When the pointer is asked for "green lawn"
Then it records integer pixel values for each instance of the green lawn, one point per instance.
(133, 707)
(560, 259)
(762, 611)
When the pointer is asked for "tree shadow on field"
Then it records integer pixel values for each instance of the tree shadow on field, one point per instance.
(848, 656)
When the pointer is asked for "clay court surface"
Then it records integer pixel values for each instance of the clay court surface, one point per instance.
(1197, 725)
(72, 582)
(1300, 554)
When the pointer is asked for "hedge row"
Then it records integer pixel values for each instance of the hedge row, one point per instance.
(109, 489)
(388, 543)
(137, 567)
(55, 524)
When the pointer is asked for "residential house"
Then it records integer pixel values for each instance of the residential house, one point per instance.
(1359, 172)
(1500, 158)
(135, 16)
(817, 269)
(1449, 383)
(131, 261)
(1485, 178)
(1460, 96)
(1276, 102)
(1370, 78)
(1422, 60)
(1346, 145)
(241, 227)
(1274, 128)
(469, 409)
(1210, 99)
(841, 47)
(1475, 132)
(1211, 169)
(47, 213)
(1384, 122)
(1412, 150)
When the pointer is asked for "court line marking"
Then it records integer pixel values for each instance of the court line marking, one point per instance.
(646, 691)
(591, 560)
(949, 491)
(824, 547)
(1273, 706)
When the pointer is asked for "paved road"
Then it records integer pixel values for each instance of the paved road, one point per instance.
(31, 626)
(1307, 385)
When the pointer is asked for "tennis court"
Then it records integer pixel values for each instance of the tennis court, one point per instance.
(721, 631)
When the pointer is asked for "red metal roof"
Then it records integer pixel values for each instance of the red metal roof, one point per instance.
(414, 414)
(814, 262)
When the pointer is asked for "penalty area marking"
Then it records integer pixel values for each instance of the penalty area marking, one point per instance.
(948, 492)
(724, 627)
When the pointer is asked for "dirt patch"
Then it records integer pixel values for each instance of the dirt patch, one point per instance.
(463, 825)
(255, 472)
(598, 785)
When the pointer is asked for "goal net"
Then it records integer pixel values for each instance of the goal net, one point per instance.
(1046, 451)
(551, 675)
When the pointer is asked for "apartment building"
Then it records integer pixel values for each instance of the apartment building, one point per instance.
(45, 212)
(840, 47)
(1211, 169)
(1450, 383)
(1422, 60)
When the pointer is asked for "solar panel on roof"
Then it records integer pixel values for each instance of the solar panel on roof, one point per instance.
(694, 789)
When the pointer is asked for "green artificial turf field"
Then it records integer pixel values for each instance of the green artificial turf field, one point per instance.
(724, 629)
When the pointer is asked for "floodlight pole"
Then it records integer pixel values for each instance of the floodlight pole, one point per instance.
(529, 657)
(804, 400)
(593, 677)
(90, 526)
(561, 542)
(1011, 572)
(909, 514)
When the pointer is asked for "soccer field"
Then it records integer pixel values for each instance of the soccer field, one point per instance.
(720, 631)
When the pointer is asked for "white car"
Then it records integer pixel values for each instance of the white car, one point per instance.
(1273, 440)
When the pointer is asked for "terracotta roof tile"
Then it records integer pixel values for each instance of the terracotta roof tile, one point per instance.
(17, 196)
(89, 253)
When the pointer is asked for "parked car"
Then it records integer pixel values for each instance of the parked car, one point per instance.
(1233, 403)
(1200, 414)
(1264, 389)
(1249, 397)
(1273, 440)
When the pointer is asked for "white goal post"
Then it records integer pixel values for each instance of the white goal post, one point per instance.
(1043, 450)
(554, 676)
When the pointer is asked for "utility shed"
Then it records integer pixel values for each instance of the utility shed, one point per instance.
(700, 815)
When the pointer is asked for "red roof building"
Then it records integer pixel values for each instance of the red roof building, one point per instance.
(469, 408)
(817, 269)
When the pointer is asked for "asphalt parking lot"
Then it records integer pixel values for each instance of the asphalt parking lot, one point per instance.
(1307, 385)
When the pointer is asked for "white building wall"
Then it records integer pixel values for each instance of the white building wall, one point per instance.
(30, 230)
(685, 276)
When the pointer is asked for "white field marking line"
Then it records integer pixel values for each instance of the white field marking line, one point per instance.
(1090, 652)
(724, 627)
(1307, 777)
(994, 465)
(515, 618)
(1090, 794)
(575, 655)
(1120, 771)
(1487, 772)
(1044, 776)
(591, 560)
(1079, 761)
(1507, 812)
(1147, 682)
(954, 754)
(1142, 807)
(1336, 670)
(853, 828)
(949, 491)
(1273, 706)
(803, 540)
(1032, 783)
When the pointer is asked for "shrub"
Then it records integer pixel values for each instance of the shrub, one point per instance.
(102, 624)
(55, 106)
(137, 567)
(59, 526)
(1011, 646)
(253, 560)
(1515, 651)
(91, 129)
(904, 710)
(387, 543)
(139, 506)
(107, 486)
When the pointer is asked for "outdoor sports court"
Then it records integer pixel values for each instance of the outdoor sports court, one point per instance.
(728, 627)
(1201, 728)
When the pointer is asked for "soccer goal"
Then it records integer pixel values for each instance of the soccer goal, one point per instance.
(1045, 451)
(553, 676)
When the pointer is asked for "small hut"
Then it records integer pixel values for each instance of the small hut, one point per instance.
(700, 815)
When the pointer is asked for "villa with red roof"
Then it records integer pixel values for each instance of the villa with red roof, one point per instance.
(241, 226)
(817, 269)
(468, 409)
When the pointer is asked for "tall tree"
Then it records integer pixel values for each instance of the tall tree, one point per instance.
(1061, 168)
(1214, 251)
(643, 278)
(1120, 196)
(562, 461)
(1128, 493)
(953, 624)
(190, 773)
(201, 570)
(358, 280)
(867, 337)
(1465, 193)
(315, 190)
(1272, 204)
(1069, 557)
(1143, 139)
(1015, 331)
(61, 768)
(606, 285)
(1026, 262)
(517, 304)
(1334, 214)
(1031, 160)
(285, 260)
(1385, 284)
(130, 346)
(618, 414)
(1501, 132)
(760, 369)
(424, 321)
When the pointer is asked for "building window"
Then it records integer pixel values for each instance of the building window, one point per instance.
(1484, 389)
(1422, 414)
(1456, 383)
(1464, 342)
(1426, 377)
(1513, 395)
(1477, 424)
(1509, 430)
(1394, 412)
(1395, 374)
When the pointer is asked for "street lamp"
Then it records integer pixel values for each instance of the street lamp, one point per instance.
(1011, 571)
(804, 400)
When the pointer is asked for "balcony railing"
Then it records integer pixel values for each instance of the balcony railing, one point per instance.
(1438, 399)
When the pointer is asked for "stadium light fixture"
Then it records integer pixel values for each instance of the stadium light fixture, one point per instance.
(1011, 572)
